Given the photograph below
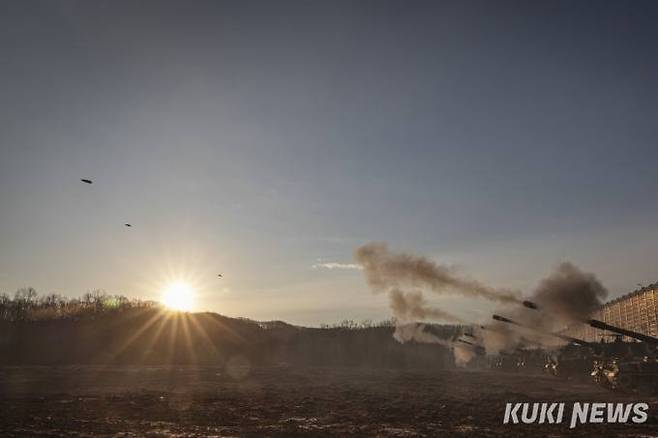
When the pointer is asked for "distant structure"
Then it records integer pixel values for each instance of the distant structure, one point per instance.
(637, 311)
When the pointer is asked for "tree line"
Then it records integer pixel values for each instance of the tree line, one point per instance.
(27, 305)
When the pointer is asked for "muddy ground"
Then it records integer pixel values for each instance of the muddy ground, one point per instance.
(285, 402)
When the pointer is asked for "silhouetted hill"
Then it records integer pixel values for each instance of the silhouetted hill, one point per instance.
(151, 336)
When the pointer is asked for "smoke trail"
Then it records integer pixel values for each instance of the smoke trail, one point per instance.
(391, 272)
(385, 270)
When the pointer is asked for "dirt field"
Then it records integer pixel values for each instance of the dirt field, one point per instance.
(284, 402)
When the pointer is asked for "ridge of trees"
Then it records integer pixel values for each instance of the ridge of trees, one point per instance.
(28, 305)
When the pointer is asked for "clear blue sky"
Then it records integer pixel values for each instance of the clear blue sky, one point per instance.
(258, 139)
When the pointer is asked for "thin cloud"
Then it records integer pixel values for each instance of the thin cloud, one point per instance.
(335, 265)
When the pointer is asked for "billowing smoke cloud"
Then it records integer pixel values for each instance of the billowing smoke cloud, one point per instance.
(570, 293)
(392, 272)
(385, 270)
(414, 332)
(417, 333)
(412, 306)
(567, 296)
(463, 354)
(499, 337)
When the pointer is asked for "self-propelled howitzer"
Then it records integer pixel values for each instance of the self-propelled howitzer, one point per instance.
(569, 339)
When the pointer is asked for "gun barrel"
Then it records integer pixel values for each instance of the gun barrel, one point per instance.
(507, 320)
(603, 326)
(572, 340)
(478, 349)
(530, 305)
(630, 333)
(556, 335)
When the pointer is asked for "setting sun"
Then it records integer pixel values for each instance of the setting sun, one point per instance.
(178, 296)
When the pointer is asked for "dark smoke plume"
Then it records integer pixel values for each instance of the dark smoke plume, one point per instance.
(570, 293)
(385, 270)
(567, 296)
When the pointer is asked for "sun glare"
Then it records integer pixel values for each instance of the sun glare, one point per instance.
(178, 296)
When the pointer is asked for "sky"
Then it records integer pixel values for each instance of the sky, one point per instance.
(268, 140)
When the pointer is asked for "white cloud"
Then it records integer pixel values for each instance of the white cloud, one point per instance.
(335, 265)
